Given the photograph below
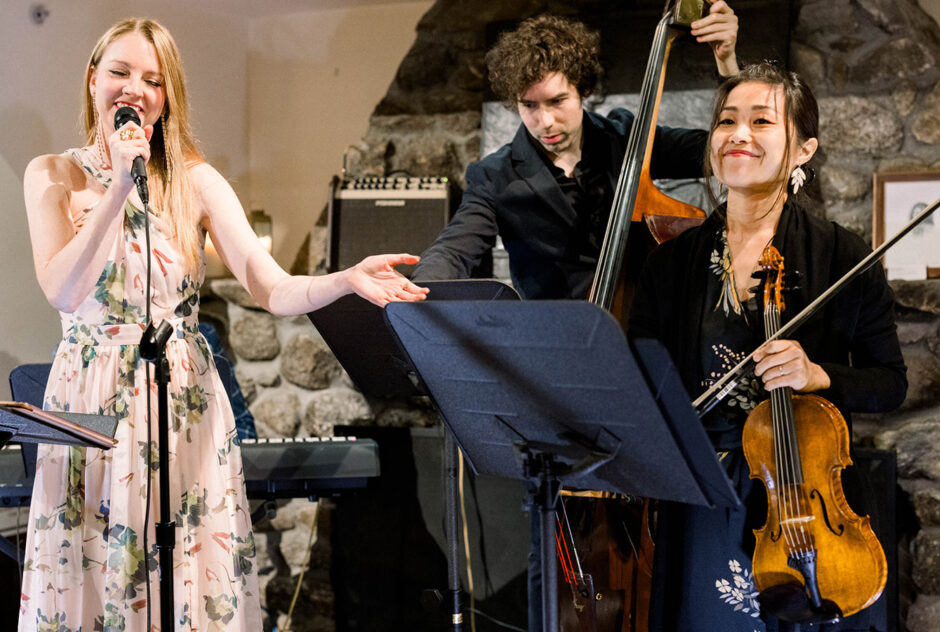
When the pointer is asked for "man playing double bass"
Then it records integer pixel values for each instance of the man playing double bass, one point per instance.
(549, 192)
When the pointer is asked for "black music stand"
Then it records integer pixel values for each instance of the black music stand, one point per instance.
(359, 335)
(550, 392)
(25, 423)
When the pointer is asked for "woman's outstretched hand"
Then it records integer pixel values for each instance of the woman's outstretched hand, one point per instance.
(376, 280)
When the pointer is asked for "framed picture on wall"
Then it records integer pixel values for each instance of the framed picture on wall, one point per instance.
(899, 197)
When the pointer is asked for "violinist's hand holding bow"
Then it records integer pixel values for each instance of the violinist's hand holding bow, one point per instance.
(720, 29)
(784, 363)
(376, 280)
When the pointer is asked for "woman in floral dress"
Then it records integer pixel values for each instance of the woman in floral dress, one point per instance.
(87, 566)
(694, 296)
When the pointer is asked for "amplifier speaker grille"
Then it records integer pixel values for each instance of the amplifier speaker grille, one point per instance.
(384, 220)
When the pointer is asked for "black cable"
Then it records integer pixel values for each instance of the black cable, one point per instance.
(481, 539)
(149, 415)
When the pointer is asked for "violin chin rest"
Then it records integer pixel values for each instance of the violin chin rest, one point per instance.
(789, 602)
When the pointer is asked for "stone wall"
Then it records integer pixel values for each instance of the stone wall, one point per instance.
(873, 64)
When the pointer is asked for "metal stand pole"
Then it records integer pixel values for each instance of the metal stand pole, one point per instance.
(548, 495)
(541, 471)
(153, 349)
(450, 501)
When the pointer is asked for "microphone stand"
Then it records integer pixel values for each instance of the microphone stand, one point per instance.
(153, 349)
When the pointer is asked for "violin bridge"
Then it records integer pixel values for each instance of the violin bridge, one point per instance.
(798, 521)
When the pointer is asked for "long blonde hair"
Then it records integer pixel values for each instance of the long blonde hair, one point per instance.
(172, 146)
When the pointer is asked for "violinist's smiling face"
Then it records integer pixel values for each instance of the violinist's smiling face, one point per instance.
(749, 142)
(551, 111)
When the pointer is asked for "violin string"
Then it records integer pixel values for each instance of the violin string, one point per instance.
(790, 492)
(787, 478)
(794, 461)
(801, 540)
(782, 512)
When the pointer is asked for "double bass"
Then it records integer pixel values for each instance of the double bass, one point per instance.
(607, 561)
(814, 559)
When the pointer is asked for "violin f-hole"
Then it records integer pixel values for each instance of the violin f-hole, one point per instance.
(825, 512)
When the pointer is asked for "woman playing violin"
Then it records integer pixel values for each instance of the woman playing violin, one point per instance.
(695, 297)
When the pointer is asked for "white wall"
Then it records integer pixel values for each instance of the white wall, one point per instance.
(275, 101)
(315, 79)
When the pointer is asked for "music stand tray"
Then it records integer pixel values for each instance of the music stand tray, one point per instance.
(560, 374)
(25, 423)
(359, 336)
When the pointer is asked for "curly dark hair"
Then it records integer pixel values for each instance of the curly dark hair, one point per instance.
(538, 47)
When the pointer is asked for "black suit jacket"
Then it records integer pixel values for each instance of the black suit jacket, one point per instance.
(512, 193)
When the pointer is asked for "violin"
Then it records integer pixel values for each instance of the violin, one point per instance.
(815, 560)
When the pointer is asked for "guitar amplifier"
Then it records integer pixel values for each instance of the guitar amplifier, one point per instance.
(376, 215)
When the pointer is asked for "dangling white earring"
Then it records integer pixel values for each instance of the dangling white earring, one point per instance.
(797, 178)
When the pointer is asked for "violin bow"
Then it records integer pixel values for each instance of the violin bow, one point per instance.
(707, 400)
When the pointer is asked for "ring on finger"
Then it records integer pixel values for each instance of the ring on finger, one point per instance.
(127, 134)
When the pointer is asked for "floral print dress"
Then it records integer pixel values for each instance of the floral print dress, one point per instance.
(86, 564)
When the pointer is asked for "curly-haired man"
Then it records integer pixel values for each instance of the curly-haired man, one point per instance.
(548, 193)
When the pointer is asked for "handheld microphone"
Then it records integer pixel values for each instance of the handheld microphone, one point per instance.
(124, 115)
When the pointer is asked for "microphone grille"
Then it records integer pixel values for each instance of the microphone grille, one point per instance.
(124, 115)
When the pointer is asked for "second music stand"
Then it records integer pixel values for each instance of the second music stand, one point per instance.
(550, 392)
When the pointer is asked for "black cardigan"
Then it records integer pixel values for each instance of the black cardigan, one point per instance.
(853, 337)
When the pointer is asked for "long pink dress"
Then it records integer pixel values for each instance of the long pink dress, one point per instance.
(85, 559)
